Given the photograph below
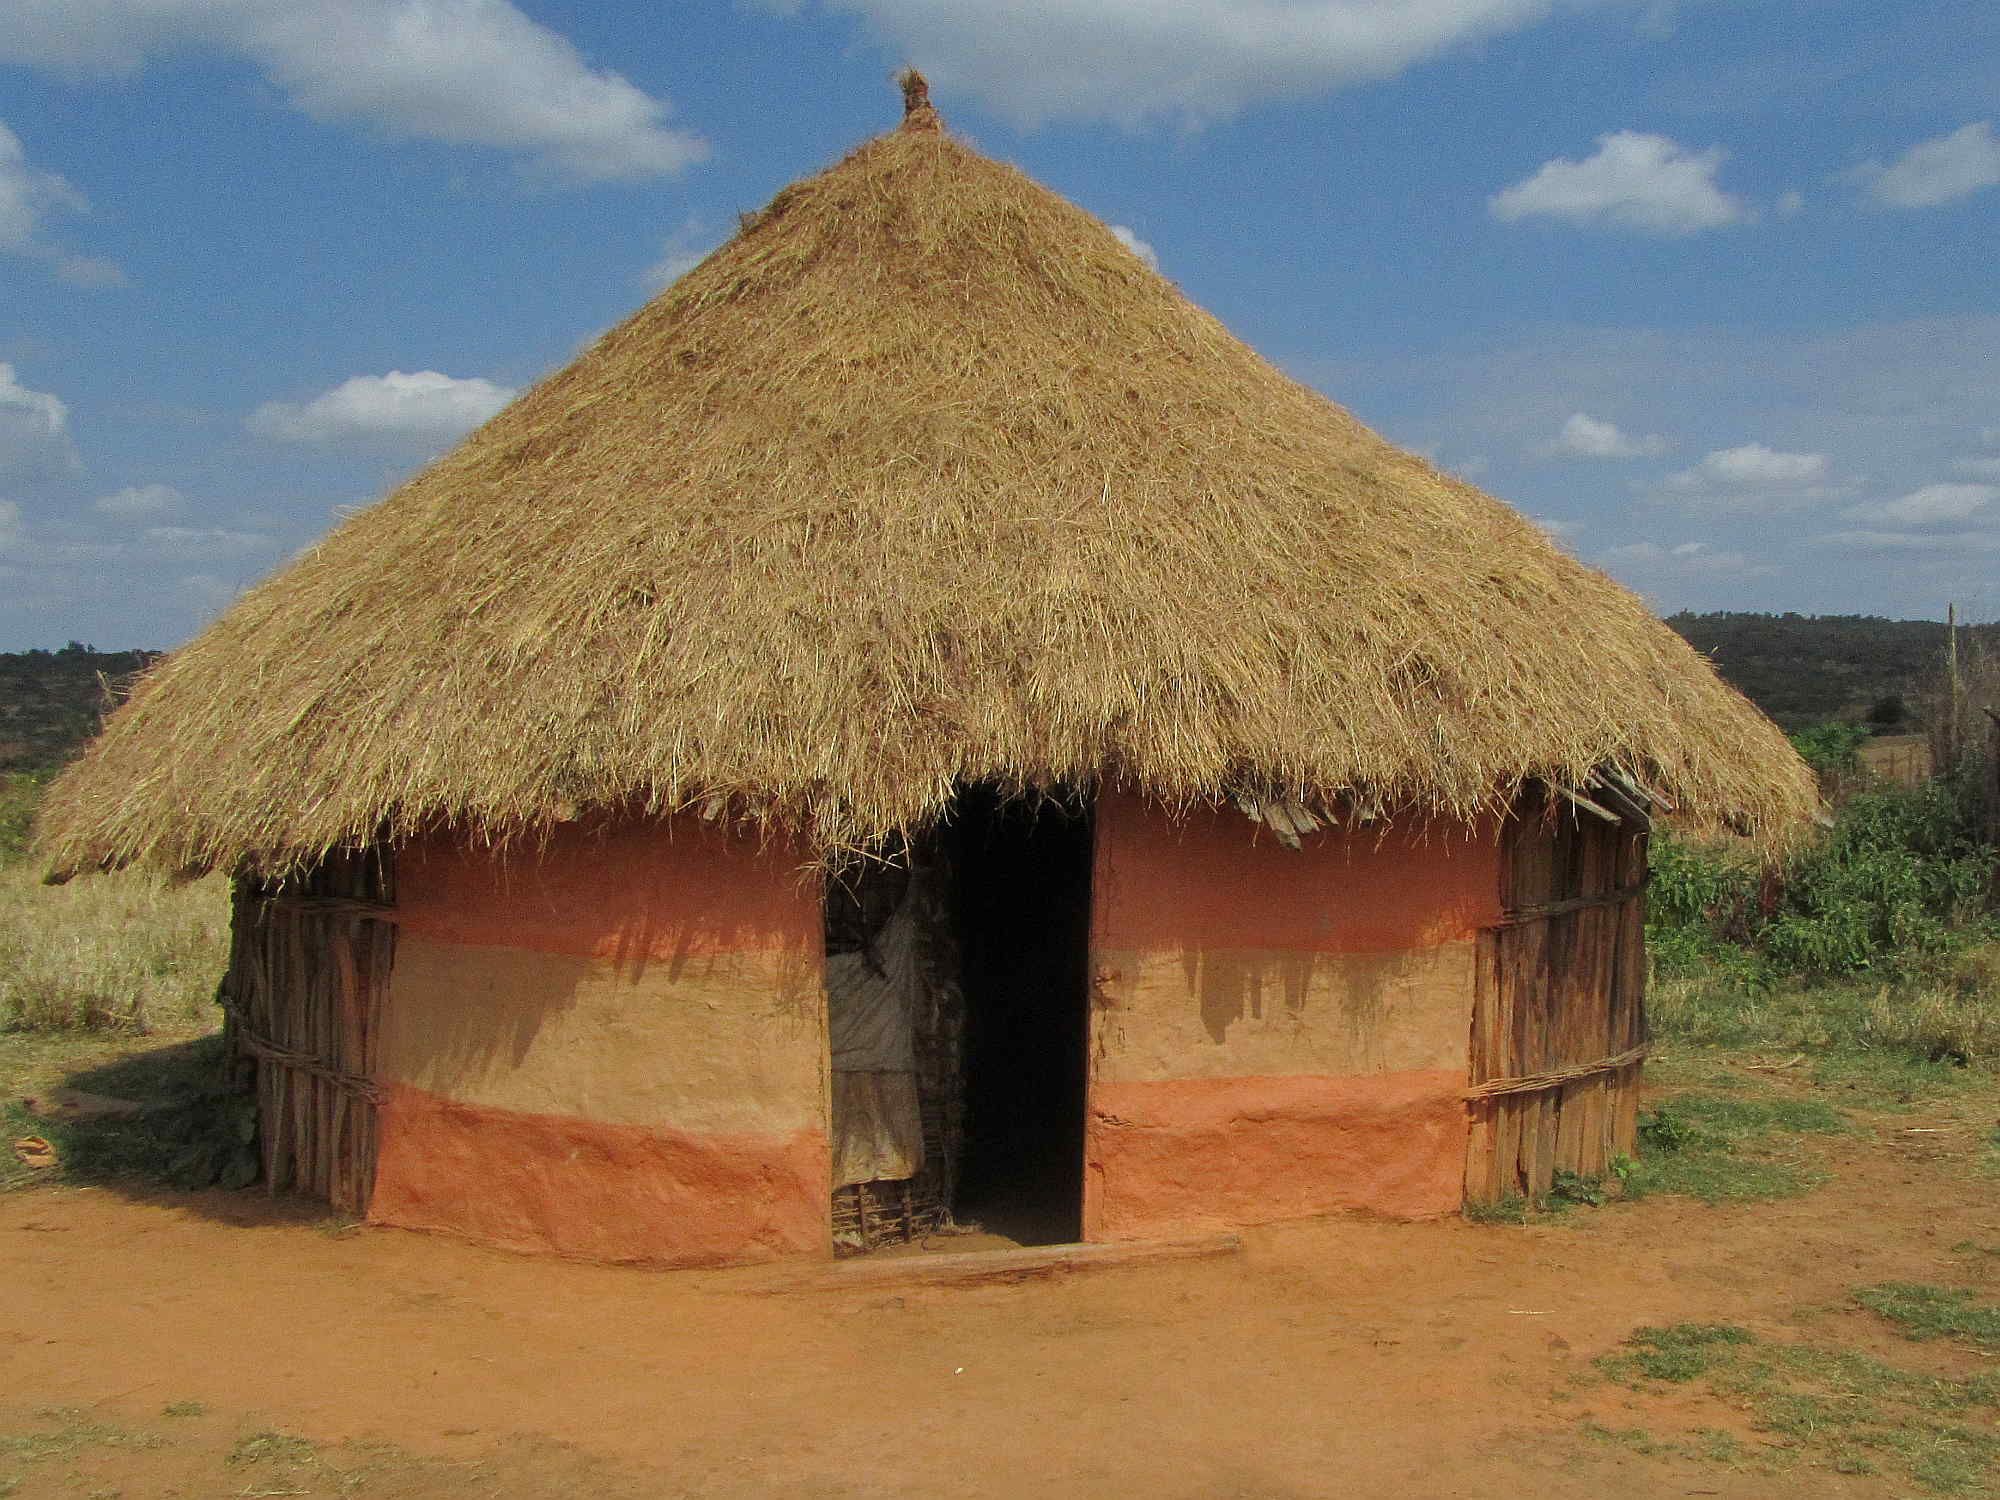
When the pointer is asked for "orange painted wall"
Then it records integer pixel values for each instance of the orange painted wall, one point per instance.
(1342, 1094)
(1217, 880)
(1203, 1153)
(610, 1045)
(626, 890)
(598, 1191)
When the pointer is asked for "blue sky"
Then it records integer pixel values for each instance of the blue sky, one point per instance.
(1708, 288)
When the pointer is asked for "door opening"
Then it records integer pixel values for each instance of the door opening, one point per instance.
(1024, 934)
(957, 1001)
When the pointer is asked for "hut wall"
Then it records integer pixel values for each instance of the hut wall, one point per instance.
(611, 1046)
(1278, 1032)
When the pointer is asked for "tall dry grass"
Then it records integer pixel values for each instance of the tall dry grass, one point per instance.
(121, 952)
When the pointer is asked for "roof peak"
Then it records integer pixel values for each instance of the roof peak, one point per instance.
(918, 111)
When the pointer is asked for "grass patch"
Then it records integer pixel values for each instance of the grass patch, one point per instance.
(1512, 1209)
(88, 970)
(271, 1447)
(1707, 1443)
(1728, 1148)
(65, 1435)
(195, 1128)
(1677, 1353)
(1934, 1312)
(1834, 1409)
(1890, 1043)
(111, 953)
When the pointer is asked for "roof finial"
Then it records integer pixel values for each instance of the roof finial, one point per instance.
(918, 112)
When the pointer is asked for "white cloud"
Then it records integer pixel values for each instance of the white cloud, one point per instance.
(1897, 400)
(1191, 62)
(1754, 479)
(681, 251)
(186, 543)
(1791, 203)
(1752, 464)
(138, 502)
(1584, 436)
(34, 430)
(1979, 468)
(465, 72)
(1929, 506)
(1684, 559)
(28, 198)
(1940, 170)
(1137, 246)
(423, 405)
(1562, 530)
(90, 271)
(208, 593)
(1950, 544)
(1634, 181)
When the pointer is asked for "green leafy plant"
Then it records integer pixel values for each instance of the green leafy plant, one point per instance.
(1666, 1129)
(1576, 1188)
(1897, 885)
(1831, 746)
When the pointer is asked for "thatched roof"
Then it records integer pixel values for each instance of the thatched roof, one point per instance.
(922, 478)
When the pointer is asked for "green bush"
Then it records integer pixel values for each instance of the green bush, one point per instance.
(1897, 882)
(1898, 876)
(1831, 747)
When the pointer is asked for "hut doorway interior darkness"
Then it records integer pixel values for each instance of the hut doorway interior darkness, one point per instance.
(957, 1004)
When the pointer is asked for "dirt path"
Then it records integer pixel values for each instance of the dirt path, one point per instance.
(1333, 1357)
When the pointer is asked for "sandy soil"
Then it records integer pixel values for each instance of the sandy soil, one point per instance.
(1336, 1357)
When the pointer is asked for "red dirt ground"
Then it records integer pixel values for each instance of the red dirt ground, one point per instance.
(1335, 1357)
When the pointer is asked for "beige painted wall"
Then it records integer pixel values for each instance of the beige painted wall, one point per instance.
(729, 1043)
(1217, 952)
(656, 974)
(1241, 1012)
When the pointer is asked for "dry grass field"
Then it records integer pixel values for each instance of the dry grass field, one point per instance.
(124, 953)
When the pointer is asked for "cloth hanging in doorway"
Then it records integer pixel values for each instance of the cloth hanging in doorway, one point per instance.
(871, 1007)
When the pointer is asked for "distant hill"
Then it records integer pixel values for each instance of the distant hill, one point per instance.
(51, 702)
(1804, 669)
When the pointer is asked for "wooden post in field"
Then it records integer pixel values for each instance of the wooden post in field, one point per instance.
(1951, 688)
(1992, 780)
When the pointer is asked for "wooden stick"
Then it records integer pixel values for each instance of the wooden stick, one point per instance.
(1536, 1082)
(1577, 799)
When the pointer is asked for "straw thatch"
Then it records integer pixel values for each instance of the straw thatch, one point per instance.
(922, 478)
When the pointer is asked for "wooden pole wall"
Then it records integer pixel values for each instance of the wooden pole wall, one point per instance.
(308, 976)
(1559, 1027)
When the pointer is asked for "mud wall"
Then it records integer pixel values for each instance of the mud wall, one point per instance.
(612, 1046)
(1278, 1032)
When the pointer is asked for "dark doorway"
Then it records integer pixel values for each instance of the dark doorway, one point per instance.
(1022, 871)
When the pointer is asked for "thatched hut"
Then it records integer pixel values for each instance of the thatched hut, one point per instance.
(918, 721)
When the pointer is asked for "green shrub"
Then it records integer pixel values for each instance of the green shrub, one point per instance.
(1699, 890)
(1831, 747)
(1898, 876)
(1898, 882)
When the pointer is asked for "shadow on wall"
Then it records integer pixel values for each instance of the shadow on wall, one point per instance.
(1266, 989)
(1268, 936)
(603, 950)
